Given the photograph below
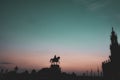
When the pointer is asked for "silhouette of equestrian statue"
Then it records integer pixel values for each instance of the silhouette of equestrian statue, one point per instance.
(55, 60)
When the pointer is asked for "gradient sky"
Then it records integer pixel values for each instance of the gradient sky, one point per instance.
(33, 31)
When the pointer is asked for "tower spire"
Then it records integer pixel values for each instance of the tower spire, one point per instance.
(113, 37)
(112, 29)
(113, 32)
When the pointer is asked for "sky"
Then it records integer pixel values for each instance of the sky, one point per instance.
(33, 31)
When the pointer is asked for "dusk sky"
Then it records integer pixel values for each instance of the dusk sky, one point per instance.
(33, 31)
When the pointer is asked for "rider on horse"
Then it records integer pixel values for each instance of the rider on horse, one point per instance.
(55, 60)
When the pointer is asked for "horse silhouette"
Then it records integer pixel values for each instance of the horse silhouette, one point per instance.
(55, 60)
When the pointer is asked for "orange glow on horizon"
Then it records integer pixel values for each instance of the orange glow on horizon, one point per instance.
(68, 62)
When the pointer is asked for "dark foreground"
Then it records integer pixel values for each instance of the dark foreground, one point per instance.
(52, 73)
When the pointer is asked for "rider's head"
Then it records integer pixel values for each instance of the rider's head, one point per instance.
(55, 56)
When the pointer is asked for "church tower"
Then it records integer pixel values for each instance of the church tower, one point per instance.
(114, 47)
(111, 67)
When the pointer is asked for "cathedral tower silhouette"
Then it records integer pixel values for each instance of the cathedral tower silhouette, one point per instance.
(111, 67)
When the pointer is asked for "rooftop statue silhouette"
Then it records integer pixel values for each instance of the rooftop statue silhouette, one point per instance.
(55, 64)
(111, 67)
(55, 60)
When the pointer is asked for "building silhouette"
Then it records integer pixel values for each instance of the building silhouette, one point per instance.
(53, 72)
(111, 67)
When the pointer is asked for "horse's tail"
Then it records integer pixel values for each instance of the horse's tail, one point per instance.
(50, 60)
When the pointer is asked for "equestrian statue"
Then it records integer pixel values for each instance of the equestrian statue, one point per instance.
(55, 60)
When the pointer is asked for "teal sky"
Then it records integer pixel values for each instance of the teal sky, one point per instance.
(67, 28)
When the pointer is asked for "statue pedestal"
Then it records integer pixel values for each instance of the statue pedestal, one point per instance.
(55, 68)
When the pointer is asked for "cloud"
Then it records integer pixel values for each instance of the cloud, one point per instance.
(6, 63)
(95, 4)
